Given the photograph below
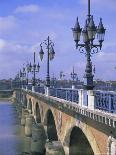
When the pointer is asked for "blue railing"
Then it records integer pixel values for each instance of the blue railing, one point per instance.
(65, 93)
(39, 89)
(105, 101)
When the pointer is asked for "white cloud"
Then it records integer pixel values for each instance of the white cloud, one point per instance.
(109, 57)
(12, 56)
(7, 48)
(7, 23)
(2, 44)
(10, 50)
(27, 9)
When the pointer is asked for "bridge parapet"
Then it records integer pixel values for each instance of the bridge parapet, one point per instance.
(74, 109)
(101, 100)
(105, 100)
(65, 93)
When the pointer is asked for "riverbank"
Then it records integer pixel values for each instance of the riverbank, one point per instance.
(6, 99)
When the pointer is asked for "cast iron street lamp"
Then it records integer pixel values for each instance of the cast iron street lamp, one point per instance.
(20, 78)
(34, 69)
(23, 76)
(50, 55)
(16, 82)
(73, 76)
(28, 69)
(62, 75)
(94, 69)
(53, 81)
(89, 33)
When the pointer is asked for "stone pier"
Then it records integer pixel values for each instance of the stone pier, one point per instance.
(23, 117)
(28, 125)
(38, 139)
(54, 148)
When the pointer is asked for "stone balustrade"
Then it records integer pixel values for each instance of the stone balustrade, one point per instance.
(73, 109)
(97, 99)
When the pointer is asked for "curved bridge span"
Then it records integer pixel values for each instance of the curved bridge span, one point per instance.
(70, 129)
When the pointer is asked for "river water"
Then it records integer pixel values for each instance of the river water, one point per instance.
(12, 139)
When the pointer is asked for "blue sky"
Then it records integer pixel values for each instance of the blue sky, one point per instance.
(24, 24)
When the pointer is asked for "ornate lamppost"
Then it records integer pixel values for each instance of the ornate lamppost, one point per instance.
(16, 81)
(94, 70)
(89, 33)
(23, 76)
(20, 78)
(62, 75)
(33, 68)
(50, 56)
(73, 76)
(28, 69)
(53, 81)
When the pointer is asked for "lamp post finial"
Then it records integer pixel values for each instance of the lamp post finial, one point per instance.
(89, 8)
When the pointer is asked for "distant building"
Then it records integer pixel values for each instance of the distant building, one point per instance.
(105, 85)
(66, 83)
(5, 84)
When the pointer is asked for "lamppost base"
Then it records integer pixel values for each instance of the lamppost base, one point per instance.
(47, 91)
(47, 81)
(26, 87)
(33, 88)
(73, 86)
(88, 82)
(88, 87)
(91, 99)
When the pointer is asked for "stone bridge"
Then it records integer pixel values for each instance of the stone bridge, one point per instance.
(65, 128)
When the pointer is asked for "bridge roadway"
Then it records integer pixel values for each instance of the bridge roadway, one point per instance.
(64, 127)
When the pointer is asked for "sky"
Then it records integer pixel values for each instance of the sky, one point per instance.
(24, 24)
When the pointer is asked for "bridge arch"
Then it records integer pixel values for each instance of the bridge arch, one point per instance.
(37, 115)
(85, 133)
(21, 97)
(79, 143)
(29, 106)
(25, 100)
(18, 96)
(49, 121)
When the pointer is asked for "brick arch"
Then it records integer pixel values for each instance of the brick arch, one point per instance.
(21, 94)
(51, 125)
(18, 96)
(36, 113)
(45, 115)
(88, 134)
(78, 141)
(25, 100)
(30, 105)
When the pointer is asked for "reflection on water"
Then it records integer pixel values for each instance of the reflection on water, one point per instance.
(12, 139)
